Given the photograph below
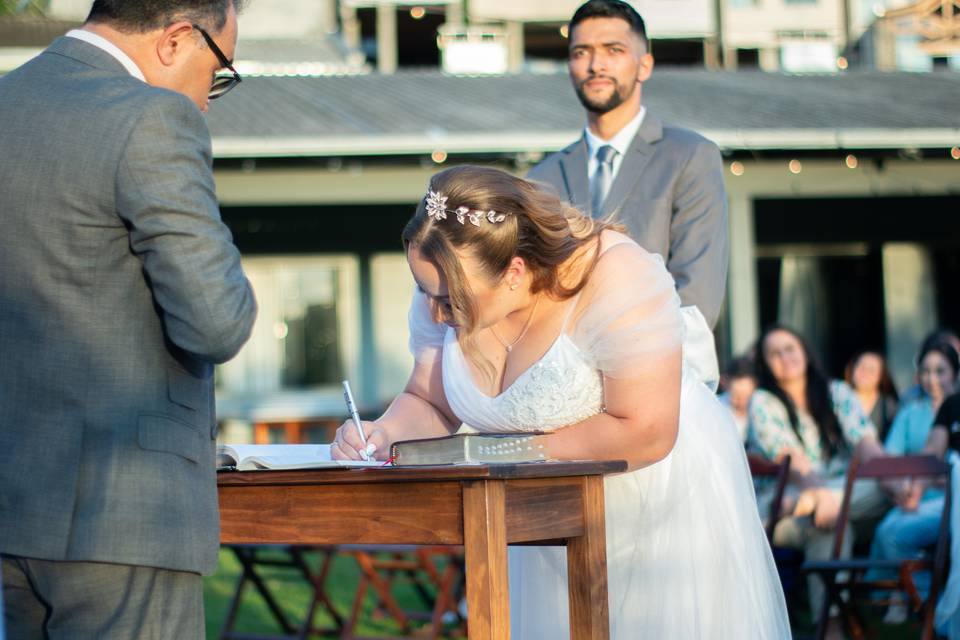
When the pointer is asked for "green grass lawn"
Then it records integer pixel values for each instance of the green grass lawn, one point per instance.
(293, 595)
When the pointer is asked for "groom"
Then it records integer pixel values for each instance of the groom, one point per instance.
(665, 184)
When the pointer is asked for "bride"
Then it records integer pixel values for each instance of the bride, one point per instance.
(530, 316)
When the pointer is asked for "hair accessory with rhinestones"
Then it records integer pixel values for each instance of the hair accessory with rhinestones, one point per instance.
(437, 210)
(436, 206)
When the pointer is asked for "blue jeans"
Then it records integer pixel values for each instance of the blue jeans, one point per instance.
(903, 535)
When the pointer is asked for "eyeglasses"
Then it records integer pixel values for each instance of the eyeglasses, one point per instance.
(222, 83)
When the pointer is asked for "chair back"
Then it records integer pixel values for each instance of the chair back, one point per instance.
(761, 467)
(885, 467)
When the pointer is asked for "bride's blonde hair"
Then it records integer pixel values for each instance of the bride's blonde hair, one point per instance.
(537, 226)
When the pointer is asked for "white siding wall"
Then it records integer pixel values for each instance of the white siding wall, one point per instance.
(664, 18)
(762, 25)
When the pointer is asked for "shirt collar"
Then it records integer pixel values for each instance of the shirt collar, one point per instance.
(102, 43)
(621, 141)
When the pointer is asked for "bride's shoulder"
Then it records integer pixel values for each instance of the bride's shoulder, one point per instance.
(619, 251)
(625, 271)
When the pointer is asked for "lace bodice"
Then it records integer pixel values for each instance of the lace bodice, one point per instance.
(558, 390)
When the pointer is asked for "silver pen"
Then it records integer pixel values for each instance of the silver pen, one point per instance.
(355, 416)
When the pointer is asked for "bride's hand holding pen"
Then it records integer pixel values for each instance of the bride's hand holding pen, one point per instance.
(347, 444)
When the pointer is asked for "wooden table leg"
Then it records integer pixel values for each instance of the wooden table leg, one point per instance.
(485, 552)
(587, 569)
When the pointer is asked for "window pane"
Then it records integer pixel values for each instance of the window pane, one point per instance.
(311, 336)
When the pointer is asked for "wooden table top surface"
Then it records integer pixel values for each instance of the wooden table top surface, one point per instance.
(439, 473)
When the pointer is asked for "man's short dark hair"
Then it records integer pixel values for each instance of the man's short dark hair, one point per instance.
(140, 16)
(610, 9)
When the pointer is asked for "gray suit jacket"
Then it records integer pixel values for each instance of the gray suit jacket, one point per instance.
(120, 287)
(669, 193)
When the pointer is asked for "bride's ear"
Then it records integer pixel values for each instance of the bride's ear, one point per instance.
(516, 271)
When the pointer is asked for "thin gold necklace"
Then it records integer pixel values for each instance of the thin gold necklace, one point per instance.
(523, 332)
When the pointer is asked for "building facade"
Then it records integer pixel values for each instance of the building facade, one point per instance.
(842, 209)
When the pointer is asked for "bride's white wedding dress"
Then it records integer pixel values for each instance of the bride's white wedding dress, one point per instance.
(686, 553)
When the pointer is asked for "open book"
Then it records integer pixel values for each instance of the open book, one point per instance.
(246, 457)
(471, 448)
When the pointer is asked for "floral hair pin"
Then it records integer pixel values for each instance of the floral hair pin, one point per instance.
(437, 210)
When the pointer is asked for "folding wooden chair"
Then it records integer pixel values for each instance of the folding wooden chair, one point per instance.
(788, 559)
(760, 467)
(435, 574)
(254, 557)
(846, 592)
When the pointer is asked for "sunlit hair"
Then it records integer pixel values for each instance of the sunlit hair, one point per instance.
(538, 227)
(887, 388)
(819, 399)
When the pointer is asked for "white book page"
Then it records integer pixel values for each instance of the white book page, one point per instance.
(287, 456)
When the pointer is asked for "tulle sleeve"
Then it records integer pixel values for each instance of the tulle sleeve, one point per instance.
(426, 335)
(628, 316)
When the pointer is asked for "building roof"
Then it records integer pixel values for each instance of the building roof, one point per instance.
(322, 54)
(416, 112)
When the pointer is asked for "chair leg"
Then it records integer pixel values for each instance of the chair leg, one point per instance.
(328, 557)
(824, 620)
(382, 589)
(356, 608)
(226, 632)
(928, 612)
(446, 600)
(247, 558)
(852, 623)
(317, 581)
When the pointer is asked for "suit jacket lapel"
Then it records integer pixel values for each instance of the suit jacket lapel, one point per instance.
(641, 150)
(573, 164)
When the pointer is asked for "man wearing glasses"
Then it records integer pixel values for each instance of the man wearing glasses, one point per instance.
(120, 288)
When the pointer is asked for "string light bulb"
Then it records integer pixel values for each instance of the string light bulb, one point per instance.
(851, 161)
(955, 153)
(736, 168)
(439, 156)
(795, 166)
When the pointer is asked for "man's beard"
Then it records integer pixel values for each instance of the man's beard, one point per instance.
(600, 107)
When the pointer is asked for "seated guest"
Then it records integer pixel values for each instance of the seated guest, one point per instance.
(942, 334)
(738, 383)
(867, 373)
(914, 523)
(796, 410)
(944, 440)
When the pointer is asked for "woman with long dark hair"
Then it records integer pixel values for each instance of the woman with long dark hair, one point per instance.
(867, 373)
(798, 411)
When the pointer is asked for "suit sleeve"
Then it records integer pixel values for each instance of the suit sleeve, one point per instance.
(699, 252)
(166, 196)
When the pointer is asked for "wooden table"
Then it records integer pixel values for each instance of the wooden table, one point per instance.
(483, 508)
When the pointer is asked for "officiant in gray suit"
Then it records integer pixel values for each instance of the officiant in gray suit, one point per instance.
(665, 184)
(120, 288)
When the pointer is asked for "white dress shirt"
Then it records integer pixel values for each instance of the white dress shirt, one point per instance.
(621, 142)
(102, 43)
